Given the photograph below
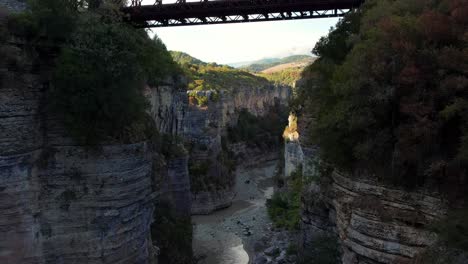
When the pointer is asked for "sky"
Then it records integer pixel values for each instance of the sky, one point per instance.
(231, 43)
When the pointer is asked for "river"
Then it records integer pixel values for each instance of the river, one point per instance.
(228, 236)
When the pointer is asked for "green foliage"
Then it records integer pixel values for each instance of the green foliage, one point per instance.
(389, 91)
(286, 77)
(53, 20)
(198, 171)
(184, 59)
(98, 78)
(284, 209)
(102, 66)
(172, 234)
(259, 131)
(211, 76)
(168, 145)
(264, 64)
(198, 99)
(202, 180)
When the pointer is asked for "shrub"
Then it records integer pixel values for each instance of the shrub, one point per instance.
(52, 20)
(265, 130)
(102, 65)
(172, 234)
(170, 146)
(284, 208)
(98, 79)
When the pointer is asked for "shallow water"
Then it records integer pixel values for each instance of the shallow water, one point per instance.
(219, 237)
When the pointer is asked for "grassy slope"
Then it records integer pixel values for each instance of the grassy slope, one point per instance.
(211, 76)
(264, 64)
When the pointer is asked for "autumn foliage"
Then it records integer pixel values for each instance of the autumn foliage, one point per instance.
(390, 92)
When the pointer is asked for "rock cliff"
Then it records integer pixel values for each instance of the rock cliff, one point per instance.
(62, 202)
(373, 222)
(212, 157)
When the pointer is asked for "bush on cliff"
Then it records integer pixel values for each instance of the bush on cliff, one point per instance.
(284, 208)
(172, 233)
(102, 67)
(46, 20)
(390, 92)
(259, 131)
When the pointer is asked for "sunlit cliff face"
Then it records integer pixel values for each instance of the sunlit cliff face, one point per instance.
(290, 132)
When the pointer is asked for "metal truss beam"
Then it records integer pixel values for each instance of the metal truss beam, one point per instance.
(235, 11)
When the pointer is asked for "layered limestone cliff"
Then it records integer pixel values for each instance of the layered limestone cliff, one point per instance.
(212, 158)
(372, 222)
(62, 202)
(168, 108)
(255, 100)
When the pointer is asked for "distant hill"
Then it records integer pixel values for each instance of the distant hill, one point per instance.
(213, 77)
(296, 64)
(288, 71)
(261, 65)
(184, 58)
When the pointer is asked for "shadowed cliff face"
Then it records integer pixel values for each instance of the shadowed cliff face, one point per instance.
(62, 202)
(203, 129)
(373, 223)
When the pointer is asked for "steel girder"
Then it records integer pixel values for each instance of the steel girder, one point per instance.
(234, 11)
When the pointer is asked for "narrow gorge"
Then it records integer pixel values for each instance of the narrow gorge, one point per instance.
(114, 149)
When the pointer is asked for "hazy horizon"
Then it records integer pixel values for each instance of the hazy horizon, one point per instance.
(244, 42)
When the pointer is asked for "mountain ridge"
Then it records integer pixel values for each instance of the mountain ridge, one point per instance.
(261, 65)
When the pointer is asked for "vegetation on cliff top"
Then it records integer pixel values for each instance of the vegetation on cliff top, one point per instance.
(285, 77)
(211, 76)
(264, 64)
(390, 92)
(102, 67)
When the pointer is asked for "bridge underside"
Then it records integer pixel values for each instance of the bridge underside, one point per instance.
(236, 11)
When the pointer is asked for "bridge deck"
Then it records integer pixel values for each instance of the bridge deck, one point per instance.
(235, 11)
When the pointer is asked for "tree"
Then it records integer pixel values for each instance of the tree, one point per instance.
(389, 91)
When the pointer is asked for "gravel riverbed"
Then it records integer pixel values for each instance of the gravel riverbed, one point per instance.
(229, 236)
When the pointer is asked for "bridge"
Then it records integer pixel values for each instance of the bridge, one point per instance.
(184, 13)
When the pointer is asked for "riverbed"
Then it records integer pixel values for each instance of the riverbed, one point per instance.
(228, 236)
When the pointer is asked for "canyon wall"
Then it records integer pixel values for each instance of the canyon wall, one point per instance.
(61, 202)
(256, 100)
(259, 102)
(373, 223)
(168, 108)
(212, 158)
